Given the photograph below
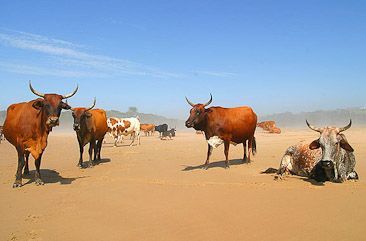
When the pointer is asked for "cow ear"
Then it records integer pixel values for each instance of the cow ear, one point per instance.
(314, 145)
(38, 104)
(65, 106)
(346, 146)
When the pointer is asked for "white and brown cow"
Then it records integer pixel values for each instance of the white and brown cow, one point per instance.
(119, 127)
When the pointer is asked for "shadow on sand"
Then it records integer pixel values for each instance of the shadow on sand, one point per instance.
(219, 164)
(50, 176)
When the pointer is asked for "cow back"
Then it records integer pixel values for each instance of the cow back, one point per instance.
(99, 120)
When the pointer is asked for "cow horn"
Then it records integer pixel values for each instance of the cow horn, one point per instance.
(92, 105)
(34, 91)
(346, 127)
(314, 128)
(209, 102)
(190, 103)
(71, 94)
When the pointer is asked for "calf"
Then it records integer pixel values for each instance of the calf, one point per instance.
(170, 134)
(90, 127)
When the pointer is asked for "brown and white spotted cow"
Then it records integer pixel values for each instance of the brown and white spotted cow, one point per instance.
(329, 158)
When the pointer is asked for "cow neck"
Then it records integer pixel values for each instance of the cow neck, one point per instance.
(83, 129)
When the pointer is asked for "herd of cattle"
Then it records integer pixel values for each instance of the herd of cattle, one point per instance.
(28, 124)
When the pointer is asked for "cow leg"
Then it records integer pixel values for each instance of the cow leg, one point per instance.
(226, 151)
(18, 175)
(26, 167)
(209, 152)
(115, 141)
(250, 145)
(81, 150)
(99, 148)
(38, 179)
(245, 159)
(133, 140)
(138, 138)
(91, 148)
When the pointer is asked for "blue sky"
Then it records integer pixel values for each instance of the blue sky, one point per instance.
(272, 55)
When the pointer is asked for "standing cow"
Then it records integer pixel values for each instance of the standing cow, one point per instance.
(224, 125)
(27, 126)
(161, 128)
(131, 126)
(90, 127)
(329, 158)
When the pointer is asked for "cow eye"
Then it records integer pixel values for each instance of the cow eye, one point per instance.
(198, 113)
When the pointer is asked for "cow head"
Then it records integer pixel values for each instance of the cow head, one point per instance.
(81, 115)
(330, 141)
(197, 113)
(51, 105)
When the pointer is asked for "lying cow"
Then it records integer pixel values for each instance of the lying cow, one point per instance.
(269, 126)
(170, 134)
(90, 127)
(329, 158)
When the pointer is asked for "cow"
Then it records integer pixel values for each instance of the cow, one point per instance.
(161, 128)
(329, 158)
(1, 133)
(90, 126)
(118, 127)
(27, 126)
(269, 126)
(224, 125)
(148, 129)
(115, 129)
(170, 134)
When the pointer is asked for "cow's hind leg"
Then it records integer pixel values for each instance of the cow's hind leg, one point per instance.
(209, 152)
(18, 175)
(245, 159)
(38, 179)
(26, 167)
(226, 151)
(99, 148)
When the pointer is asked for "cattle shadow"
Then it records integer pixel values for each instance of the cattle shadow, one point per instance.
(218, 164)
(313, 182)
(50, 176)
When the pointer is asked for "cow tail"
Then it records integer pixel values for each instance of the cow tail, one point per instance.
(254, 146)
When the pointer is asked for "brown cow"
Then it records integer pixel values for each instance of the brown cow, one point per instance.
(90, 127)
(148, 129)
(27, 126)
(269, 126)
(224, 125)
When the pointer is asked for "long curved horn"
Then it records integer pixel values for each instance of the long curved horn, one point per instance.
(34, 91)
(71, 94)
(346, 127)
(314, 128)
(92, 105)
(209, 102)
(190, 103)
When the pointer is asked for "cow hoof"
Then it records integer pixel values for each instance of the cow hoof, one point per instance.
(80, 165)
(91, 165)
(205, 167)
(17, 184)
(227, 166)
(39, 182)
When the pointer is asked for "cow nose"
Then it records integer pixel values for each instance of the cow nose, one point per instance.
(53, 120)
(76, 127)
(327, 163)
(188, 124)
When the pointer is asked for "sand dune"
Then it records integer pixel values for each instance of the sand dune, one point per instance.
(157, 191)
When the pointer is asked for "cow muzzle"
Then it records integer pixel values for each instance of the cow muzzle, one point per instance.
(52, 121)
(189, 124)
(76, 127)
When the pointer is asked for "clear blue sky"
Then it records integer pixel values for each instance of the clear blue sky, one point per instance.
(272, 55)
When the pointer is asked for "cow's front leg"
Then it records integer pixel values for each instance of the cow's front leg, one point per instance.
(226, 151)
(245, 159)
(133, 139)
(26, 167)
(209, 152)
(91, 148)
(38, 179)
(81, 150)
(18, 175)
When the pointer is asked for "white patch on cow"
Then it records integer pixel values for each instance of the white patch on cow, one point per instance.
(215, 141)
